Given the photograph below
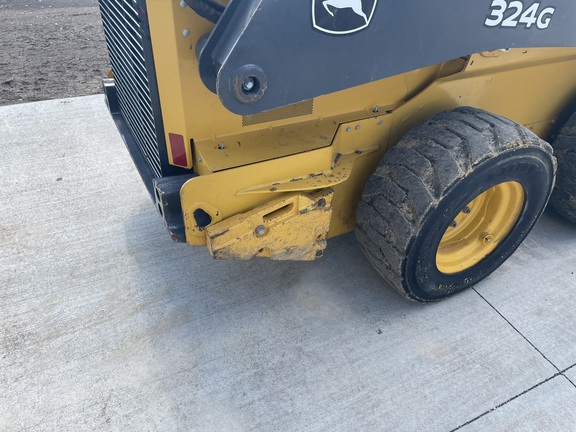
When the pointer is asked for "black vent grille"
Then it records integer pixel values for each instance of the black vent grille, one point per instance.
(124, 37)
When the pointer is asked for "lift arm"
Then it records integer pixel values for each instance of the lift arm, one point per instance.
(264, 54)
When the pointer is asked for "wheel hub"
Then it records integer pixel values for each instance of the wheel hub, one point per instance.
(478, 229)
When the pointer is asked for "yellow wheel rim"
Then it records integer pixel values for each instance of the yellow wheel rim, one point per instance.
(480, 227)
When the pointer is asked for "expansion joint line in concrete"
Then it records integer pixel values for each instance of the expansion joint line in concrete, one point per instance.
(558, 373)
(515, 329)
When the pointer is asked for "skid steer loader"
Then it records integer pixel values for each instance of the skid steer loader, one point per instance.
(263, 127)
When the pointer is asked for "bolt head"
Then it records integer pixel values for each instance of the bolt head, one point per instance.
(248, 84)
(321, 203)
(260, 230)
(186, 32)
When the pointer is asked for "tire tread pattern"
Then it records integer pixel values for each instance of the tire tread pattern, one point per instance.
(563, 199)
(418, 172)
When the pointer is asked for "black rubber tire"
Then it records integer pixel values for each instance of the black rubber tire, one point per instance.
(563, 199)
(424, 181)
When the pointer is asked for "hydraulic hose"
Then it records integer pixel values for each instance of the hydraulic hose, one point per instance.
(209, 9)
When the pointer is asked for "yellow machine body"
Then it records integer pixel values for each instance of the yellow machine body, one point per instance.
(247, 165)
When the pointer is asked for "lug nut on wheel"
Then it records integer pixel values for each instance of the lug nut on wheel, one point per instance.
(488, 239)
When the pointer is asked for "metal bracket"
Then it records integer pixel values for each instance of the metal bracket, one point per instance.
(294, 227)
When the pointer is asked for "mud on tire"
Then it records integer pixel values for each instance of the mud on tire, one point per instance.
(563, 199)
(425, 183)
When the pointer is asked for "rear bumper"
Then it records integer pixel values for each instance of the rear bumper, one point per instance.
(165, 192)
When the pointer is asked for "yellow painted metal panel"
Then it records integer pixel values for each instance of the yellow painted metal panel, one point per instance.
(243, 164)
(504, 90)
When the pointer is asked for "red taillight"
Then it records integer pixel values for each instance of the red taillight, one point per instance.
(178, 150)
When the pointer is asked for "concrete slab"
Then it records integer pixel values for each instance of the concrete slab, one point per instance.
(107, 324)
(536, 289)
(549, 407)
(571, 375)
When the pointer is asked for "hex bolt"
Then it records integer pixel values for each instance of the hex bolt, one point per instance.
(454, 224)
(357, 127)
(248, 84)
(321, 203)
(199, 159)
(380, 122)
(466, 210)
(348, 129)
(221, 146)
(182, 4)
(376, 109)
(260, 230)
(186, 32)
(319, 253)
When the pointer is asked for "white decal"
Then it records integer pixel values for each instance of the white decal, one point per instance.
(342, 16)
(355, 5)
(510, 14)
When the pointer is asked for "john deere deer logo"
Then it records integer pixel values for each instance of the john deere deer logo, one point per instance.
(342, 16)
(355, 5)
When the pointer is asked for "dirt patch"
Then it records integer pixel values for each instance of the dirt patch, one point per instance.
(50, 49)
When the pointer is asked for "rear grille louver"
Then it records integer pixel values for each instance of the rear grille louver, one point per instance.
(124, 37)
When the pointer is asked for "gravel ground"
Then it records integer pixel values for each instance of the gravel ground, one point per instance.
(50, 49)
